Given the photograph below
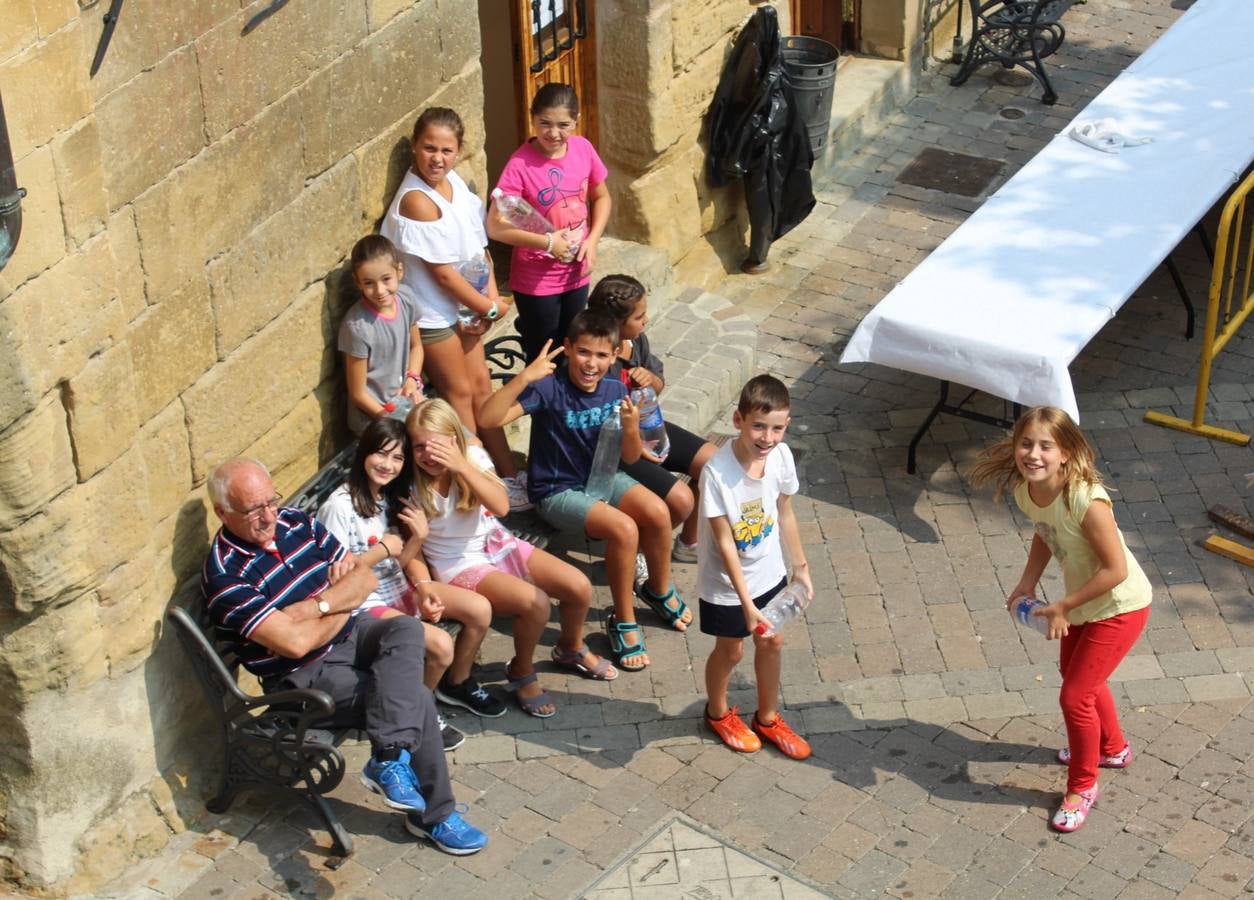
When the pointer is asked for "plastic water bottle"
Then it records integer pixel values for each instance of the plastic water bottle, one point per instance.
(519, 213)
(1021, 612)
(785, 606)
(398, 407)
(605, 461)
(476, 271)
(652, 425)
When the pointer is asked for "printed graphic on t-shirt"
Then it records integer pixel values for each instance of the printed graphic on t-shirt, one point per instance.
(753, 526)
(1050, 537)
(564, 206)
(583, 419)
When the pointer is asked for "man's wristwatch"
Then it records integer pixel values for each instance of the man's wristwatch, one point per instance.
(324, 608)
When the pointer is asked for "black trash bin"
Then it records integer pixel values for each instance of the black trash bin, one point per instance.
(810, 67)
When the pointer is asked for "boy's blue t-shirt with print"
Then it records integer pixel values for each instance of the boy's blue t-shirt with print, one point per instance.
(565, 425)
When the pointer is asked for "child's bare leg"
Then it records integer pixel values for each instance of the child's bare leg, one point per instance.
(445, 365)
(688, 534)
(475, 615)
(719, 666)
(438, 656)
(529, 608)
(679, 503)
(480, 381)
(653, 523)
(767, 652)
(621, 537)
(573, 593)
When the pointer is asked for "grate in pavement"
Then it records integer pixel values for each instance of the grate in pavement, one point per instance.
(953, 173)
(680, 859)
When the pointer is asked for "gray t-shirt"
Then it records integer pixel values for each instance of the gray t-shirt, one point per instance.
(383, 343)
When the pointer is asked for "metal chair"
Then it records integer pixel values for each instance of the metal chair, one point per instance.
(1015, 33)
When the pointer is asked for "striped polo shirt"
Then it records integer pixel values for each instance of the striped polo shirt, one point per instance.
(243, 584)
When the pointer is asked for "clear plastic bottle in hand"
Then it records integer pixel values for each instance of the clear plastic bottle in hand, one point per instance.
(605, 459)
(476, 272)
(652, 425)
(1021, 612)
(519, 213)
(785, 606)
(398, 407)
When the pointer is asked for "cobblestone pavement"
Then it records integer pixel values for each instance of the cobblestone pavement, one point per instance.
(934, 720)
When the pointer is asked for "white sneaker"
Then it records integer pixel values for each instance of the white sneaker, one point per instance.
(516, 487)
(642, 568)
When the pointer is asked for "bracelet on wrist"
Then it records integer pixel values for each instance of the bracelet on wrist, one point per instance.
(414, 375)
(549, 248)
(386, 549)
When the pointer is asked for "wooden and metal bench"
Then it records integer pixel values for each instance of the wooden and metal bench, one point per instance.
(1015, 33)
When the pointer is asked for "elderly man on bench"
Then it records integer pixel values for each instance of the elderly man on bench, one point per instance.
(283, 591)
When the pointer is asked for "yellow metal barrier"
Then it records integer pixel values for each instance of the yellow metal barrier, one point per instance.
(1229, 281)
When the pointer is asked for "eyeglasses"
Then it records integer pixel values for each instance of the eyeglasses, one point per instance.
(271, 505)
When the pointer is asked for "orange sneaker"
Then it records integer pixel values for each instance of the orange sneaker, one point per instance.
(733, 731)
(778, 733)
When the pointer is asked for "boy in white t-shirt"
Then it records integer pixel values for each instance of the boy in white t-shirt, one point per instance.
(746, 511)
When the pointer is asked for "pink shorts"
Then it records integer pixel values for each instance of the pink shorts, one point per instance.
(470, 576)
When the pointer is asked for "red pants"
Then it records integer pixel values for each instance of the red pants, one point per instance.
(1089, 654)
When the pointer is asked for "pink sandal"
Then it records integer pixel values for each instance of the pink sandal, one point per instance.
(1119, 761)
(1072, 813)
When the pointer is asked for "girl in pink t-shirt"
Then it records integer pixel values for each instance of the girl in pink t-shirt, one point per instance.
(561, 176)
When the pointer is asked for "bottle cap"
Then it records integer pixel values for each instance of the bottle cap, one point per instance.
(497, 193)
(389, 407)
(760, 629)
(372, 540)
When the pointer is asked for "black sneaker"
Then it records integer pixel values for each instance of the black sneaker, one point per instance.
(470, 695)
(451, 736)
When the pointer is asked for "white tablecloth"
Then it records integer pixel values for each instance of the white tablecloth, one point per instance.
(1015, 293)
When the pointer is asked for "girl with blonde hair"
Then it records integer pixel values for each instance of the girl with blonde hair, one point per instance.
(467, 547)
(1051, 468)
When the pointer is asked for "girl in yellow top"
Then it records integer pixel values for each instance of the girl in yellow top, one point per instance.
(1050, 466)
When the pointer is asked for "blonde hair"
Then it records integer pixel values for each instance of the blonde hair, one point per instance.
(439, 417)
(997, 461)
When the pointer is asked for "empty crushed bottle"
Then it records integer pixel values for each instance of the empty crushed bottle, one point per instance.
(605, 459)
(652, 426)
(476, 272)
(1021, 612)
(785, 606)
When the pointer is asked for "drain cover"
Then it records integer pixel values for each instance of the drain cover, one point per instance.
(1011, 112)
(953, 173)
(684, 861)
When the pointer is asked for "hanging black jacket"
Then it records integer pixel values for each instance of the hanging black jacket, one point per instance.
(756, 132)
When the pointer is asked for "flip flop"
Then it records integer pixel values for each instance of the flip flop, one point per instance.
(529, 705)
(573, 660)
(621, 648)
(672, 616)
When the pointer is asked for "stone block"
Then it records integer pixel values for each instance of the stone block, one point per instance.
(93, 818)
(364, 91)
(290, 449)
(133, 599)
(65, 548)
(381, 164)
(379, 12)
(54, 323)
(36, 462)
(240, 76)
(42, 242)
(460, 44)
(172, 344)
(100, 402)
(53, 652)
(52, 14)
(660, 208)
(261, 274)
(45, 90)
(720, 22)
(203, 207)
(80, 180)
(167, 100)
(124, 240)
(163, 443)
(233, 404)
(640, 56)
(21, 28)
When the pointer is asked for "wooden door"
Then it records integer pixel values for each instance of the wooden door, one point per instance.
(834, 21)
(555, 43)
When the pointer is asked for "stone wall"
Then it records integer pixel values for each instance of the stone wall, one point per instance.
(172, 302)
(655, 81)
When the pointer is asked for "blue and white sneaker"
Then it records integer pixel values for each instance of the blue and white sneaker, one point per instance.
(454, 835)
(396, 781)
